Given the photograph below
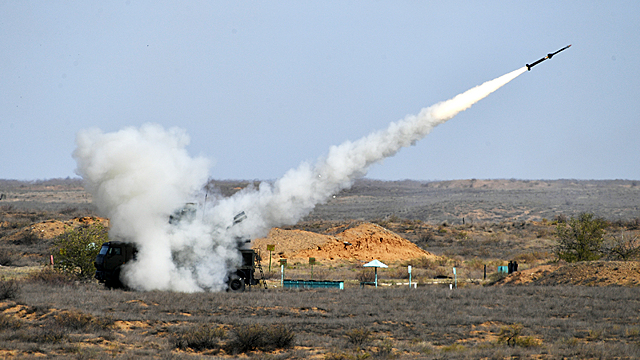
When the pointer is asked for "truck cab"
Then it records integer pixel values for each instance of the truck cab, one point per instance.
(108, 263)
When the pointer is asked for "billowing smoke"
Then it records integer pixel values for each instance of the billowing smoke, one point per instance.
(139, 177)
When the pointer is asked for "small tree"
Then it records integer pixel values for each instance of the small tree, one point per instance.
(77, 250)
(580, 239)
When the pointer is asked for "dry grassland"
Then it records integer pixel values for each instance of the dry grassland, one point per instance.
(547, 310)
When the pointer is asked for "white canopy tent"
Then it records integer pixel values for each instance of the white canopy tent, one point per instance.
(376, 264)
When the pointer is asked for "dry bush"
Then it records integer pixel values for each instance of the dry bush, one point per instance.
(16, 224)
(8, 322)
(443, 261)
(384, 349)
(512, 336)
(509, 334)
(345, 356)
(246, 338)
(9, 289)
(426, 236)
(531, 257)
(69, 210)
(496, 277)
(79, 321)
(320, 273)
(49, 276)
(398, 273)
(271, 275)
(28, 239)
(443, 273)
(421, 263)
(474, 264)
(200, 337)
(42, 335)
(258, 337)
(359, 337)
(621, 247)
(7, 257)
(366, 275)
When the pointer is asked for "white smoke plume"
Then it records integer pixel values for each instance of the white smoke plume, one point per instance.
(138, 177)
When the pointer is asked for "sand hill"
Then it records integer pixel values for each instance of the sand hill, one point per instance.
(364, 242)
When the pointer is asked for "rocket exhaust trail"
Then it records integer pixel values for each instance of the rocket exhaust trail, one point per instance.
(295, 194)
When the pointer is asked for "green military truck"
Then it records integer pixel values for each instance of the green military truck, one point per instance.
(114, 254)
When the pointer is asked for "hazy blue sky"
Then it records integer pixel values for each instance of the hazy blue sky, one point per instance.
(262, 86)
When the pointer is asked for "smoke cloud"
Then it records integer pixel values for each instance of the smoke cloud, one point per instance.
(139, 177)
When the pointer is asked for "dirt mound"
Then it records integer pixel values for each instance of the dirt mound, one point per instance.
(593, 273)
(364, 242)
(49, 229)
(288, 242)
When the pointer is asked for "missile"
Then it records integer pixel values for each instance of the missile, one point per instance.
(549, 56)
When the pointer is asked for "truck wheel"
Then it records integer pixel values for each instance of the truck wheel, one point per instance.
(236, 285)
(113, 281)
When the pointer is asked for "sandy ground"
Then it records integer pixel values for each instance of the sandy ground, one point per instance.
(49, 229)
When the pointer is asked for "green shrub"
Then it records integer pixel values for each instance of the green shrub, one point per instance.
(77, 250)
(581, 238)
